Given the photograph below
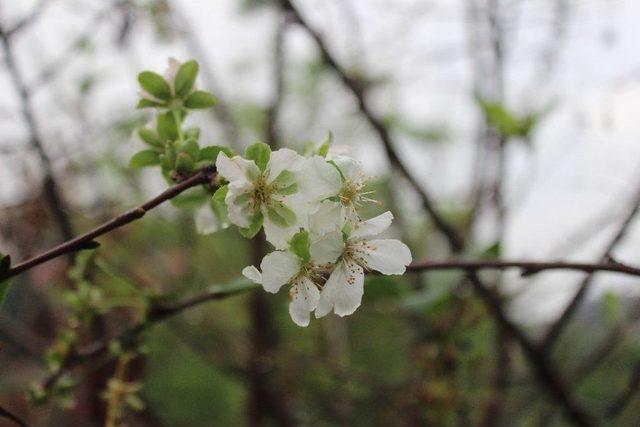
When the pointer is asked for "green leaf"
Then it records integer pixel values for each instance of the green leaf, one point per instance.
(281, 215)
(185, 78)
(300, 245)
(323, 150)
(155, 85)
(166, 127)
(259, 153)
(184, 163)
(150, 137)
(144, 159)
(4, 290)
(256, 224)
(221, 193)
(147, 103)
(192, 148)
(199, 99)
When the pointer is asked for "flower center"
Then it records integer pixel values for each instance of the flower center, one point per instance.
(262, 192)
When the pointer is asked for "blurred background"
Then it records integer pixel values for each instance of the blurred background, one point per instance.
(517, 117)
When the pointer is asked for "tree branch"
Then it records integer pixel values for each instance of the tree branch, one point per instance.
(50, 186)
(358, 90)
(527, 267)
(559, 325)
(85, 241)
(10, 416)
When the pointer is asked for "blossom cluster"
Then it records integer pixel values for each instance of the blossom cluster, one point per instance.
(307, 205)
(309, 210)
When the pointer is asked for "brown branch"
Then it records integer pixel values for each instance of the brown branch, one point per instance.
(559, 325)
(546, 371)
(50, 186)
(527, 267)
(626, 396)
(358, 89)
(86, 241)
(10, 416)
(539, 360)
(158, 313)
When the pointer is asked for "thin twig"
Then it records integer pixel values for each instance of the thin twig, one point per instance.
(527, 267)
(10, 416)
(559, 325)
(50, 186)
(358, 89)
(85, 240)
(626, 396)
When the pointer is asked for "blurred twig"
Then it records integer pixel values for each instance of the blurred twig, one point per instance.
(85, 241)
(10, 416)
(540, 361)
(558, 326)
(50, 186)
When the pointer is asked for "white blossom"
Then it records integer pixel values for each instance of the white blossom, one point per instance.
(283, 267)
(344, 289)
(273, 194)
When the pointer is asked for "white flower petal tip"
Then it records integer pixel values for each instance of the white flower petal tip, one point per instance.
(372, 227)
(388, 256)
(253, 274)
(304, 299)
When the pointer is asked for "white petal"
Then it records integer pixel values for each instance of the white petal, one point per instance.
(253, 274)
(324, 306)
(239, 206)
(304, 299)
(345, 288)
(329, 217)
(206, 220)
(278, 268)
(328, 248)
(388, 256)
(371, 227)
(319, 180)
(351, 169)
(236, 168)
(283, 159)
(278, 236)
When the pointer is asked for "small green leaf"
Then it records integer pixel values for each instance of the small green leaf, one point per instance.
(150, 137)
(211, 152)
(145, 158)
(300, 245)
(323, 150)
(166, 127)
(192, 149)
(184, 163)
(281, 215)
(199, 99)
(259, 153)
(4, 290)
(155, 85)
(221, 193)
(256, 224)
(185, 78)
(147, 103)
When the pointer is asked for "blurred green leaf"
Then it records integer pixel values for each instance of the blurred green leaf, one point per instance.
(199, 99)
(155, 85)
(185, 78)
(145, 158)
(166, 127)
